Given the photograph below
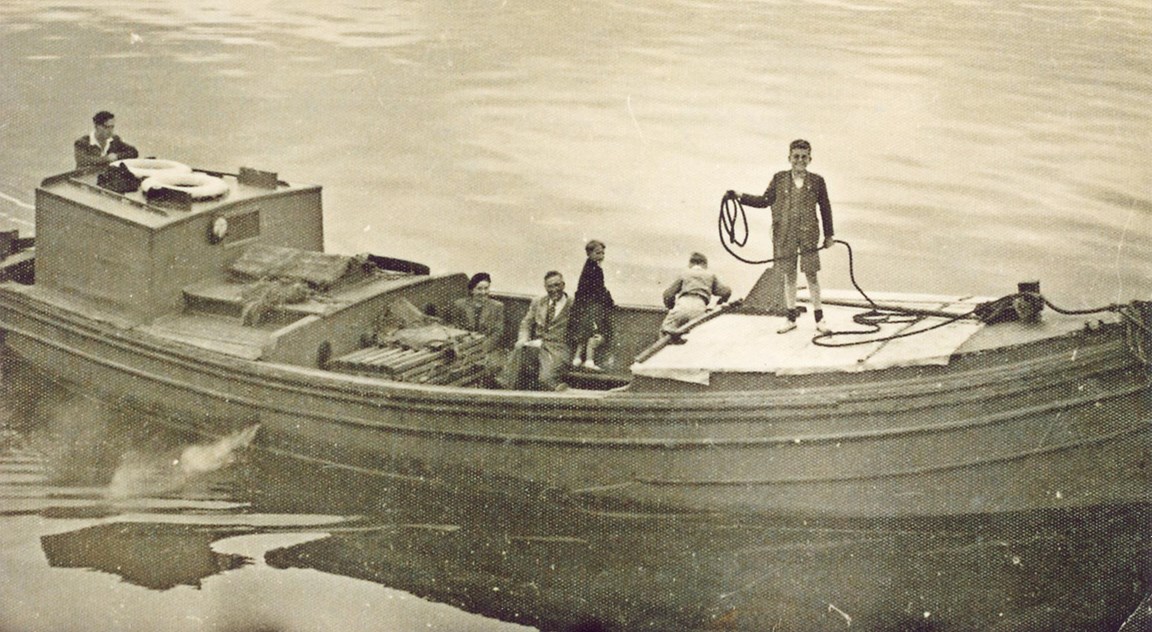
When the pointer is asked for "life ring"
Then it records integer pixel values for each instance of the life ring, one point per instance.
(218, 230)
(200, 186)
(148, 167)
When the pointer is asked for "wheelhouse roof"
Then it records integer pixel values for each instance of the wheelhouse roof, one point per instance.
(133, 207)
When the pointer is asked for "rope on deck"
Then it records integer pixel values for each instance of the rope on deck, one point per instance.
(1022, 305)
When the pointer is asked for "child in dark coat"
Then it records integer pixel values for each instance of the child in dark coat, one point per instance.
(590, 325)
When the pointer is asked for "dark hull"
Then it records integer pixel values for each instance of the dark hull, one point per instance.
(1057, 423)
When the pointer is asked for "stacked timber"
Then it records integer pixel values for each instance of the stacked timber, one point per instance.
(458, 362)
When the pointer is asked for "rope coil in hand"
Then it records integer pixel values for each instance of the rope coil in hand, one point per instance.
(733, 216)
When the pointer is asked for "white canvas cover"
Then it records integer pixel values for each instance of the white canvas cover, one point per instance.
(749, 343)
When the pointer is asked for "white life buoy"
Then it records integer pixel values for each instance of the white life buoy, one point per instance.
(200, 186)
(218, 230)
(148, 167)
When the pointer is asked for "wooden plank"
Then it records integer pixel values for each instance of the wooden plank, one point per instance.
(415, 361)
(356, 356)
(382, 355)
(451, 362)
(420, 371)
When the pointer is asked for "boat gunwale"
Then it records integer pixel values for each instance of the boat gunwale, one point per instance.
(115, 331)
(605, 442)
(812, 397)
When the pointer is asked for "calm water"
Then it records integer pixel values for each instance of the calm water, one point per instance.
(967, 146)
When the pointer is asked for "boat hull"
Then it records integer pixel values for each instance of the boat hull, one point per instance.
(1060, 424)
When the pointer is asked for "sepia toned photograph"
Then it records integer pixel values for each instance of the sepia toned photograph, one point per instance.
(558, 316)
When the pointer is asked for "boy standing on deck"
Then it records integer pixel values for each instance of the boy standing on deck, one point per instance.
(795, 195)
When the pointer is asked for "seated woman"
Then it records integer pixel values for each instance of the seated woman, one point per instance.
(477, 312)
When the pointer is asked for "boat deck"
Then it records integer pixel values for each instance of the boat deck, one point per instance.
(722, 342)
(214, 315)
(230, 298)
(734, 342)
(214, 333)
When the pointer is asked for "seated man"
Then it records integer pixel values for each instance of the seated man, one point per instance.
(543, 332)
(102, 146)
(690, 294)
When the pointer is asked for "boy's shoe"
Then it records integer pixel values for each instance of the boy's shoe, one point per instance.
(788, 326)
(589, 364)
(576, 362)
(822, 327)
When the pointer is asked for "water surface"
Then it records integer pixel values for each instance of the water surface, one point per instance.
(967, 145)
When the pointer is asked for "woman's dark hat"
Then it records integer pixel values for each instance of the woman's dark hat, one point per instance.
(477, 278)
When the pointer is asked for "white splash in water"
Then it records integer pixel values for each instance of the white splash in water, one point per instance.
(206, 458)
(142, 474)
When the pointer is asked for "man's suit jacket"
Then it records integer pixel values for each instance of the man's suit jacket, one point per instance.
(533, 324)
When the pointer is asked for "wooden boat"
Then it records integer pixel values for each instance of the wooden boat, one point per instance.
(225, 312)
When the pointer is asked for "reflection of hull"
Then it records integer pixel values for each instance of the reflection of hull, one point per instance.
(558, 569)
(157, 556)
(763, 577)
(563, 569)
(1062, 422)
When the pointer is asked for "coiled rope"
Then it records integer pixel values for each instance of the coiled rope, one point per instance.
(733, 222)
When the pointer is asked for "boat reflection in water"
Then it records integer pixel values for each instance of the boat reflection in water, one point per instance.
(555, 565)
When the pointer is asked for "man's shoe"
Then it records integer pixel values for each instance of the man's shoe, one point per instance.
(675, 339)
(788, 326)
(822, 327)
(576, 362)
(589, 364)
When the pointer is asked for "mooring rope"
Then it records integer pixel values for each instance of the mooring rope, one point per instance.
(733, 217)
